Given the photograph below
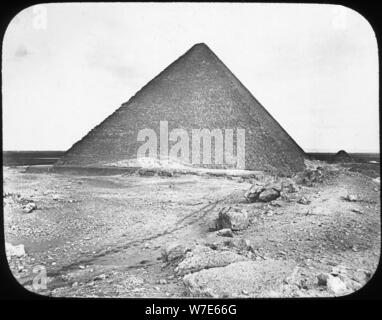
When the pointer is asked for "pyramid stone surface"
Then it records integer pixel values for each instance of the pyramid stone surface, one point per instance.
(196, 91)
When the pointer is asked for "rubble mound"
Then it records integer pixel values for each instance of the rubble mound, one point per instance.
(203, 257)
(241, 279)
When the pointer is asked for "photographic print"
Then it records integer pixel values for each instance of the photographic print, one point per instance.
(188, 150)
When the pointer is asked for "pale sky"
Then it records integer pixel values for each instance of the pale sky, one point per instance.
(66, 67)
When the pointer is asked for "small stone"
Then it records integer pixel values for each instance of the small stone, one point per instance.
(309, 212)
(173, 251)
(81, 267)
(225, 233)
(234, 219)
(245, 244)
(100, 277)
(269, 213)
(29, 207)
(213, 225)
(162, 281)
(245, 292)
(322, 279)
(351, 198)
(304, 201)
(289, 186)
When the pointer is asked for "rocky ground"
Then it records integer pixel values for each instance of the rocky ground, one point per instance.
(316, 234)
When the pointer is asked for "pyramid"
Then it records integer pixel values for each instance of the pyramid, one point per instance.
(342, 156)
(197, 91)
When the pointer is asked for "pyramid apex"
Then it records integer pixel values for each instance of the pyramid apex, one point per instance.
(200, 45)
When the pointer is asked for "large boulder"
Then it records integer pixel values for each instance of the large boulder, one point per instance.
(12, 250)
(269, 194)
(203, 257)
(337, 286)
(233, 218)
(253, 193)
(241, 279)
(265, 193)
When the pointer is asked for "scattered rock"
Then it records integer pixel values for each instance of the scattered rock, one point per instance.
(225, 233)
(100, 277)
(213, 225)
(303, 200)
(357, 211)
(275, 204)
(268, 213)
(29, 207)
(241, 245)
(234, 219)
(202, 257)
(322, 279)
(377, 180)
(351, 198)
(311, 176)
(309, 212)
(173, 251)
(289, 186)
